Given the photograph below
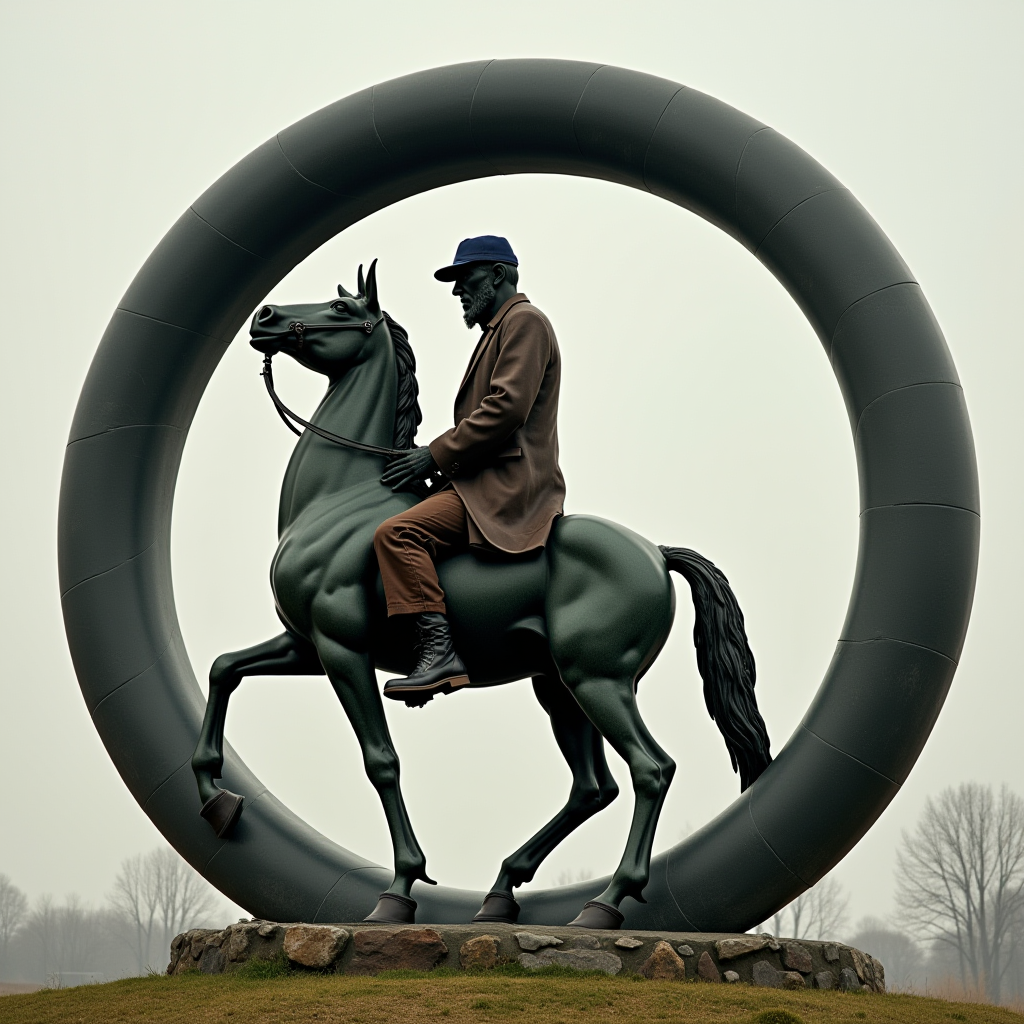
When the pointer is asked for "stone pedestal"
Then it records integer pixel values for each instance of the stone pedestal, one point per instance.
(672, 956)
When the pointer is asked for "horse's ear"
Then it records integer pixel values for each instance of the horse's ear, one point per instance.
(360, 284)
(343, 294)
(371, 289)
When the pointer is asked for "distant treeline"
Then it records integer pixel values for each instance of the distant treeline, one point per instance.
(154, 897)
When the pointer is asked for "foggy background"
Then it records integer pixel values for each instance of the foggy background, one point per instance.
(698, 407)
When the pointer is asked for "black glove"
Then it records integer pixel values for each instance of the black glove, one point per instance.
(415, 464)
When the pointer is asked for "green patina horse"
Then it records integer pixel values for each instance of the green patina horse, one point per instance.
(585, 618)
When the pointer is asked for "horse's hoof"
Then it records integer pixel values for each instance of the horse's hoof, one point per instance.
(598, 915)
(498, 906)
(222, 811)
(393, 909)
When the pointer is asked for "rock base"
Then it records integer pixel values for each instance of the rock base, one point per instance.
(669, 956)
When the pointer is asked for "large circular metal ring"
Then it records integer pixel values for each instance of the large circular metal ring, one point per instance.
(918, 480)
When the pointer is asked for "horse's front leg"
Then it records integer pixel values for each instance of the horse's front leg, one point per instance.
(351, 675)
(284, 655)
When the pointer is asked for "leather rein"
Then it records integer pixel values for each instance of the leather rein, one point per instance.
(299, 329)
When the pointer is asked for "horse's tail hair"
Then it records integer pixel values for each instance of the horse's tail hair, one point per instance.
(725, 663)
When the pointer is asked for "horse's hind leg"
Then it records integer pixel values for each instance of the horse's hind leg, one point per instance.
(611, 705)
(284, 655)
(593, 789)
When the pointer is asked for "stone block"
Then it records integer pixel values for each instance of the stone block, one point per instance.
(479, 953)
(797, 957)
(587, 942)
(848, 980)
(628, 943)
(766, 975)
(684, 950)
(824, 979)
(731, 977)
(706, 968)
(830, 951)
(212, 959)
(729, 949)
(530, 942)
(314, 945)
(577, 959)
(663, 964)
(409, 949)
(793, 979)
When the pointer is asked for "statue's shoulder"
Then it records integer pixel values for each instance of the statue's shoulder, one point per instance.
(526, 313)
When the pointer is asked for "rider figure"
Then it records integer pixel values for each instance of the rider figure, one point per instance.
(503, 486)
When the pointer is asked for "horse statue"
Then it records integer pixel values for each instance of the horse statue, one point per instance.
(584, 618)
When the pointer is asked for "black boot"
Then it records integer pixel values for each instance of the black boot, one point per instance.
(438, 668)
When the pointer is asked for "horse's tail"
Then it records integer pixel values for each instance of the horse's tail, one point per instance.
(725, 663)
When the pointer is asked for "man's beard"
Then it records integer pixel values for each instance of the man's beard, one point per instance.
(481, 305)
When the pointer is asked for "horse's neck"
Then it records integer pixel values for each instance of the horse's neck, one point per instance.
(359, 406)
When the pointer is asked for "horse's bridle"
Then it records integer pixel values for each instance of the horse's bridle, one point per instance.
(299, 329)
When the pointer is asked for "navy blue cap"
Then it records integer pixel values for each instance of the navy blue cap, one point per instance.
(482, 249)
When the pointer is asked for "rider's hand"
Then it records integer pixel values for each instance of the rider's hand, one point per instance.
(415, 464)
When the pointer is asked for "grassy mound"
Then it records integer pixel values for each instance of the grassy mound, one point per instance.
(403, 997)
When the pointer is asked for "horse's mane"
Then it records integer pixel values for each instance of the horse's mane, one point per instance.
(407, 407)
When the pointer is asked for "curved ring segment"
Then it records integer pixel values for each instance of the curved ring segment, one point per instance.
(918, 480)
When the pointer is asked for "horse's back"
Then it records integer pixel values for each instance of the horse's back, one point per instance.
(610, 601)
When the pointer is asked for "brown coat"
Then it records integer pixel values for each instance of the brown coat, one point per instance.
(502, 453)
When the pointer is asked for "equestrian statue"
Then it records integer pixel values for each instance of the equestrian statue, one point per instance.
(456, 568)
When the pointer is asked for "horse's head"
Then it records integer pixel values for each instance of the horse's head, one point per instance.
(327, 337)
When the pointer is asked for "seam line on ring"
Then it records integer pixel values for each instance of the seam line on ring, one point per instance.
(227, 238)
(121, 426)
(334, 885)
(864, 298)
(906, 643)
(903, 387)
(472, 105)
(576, 110)
(188, 760)
(643, 166)
(373, 121)
(789, 213)
(177, 327)
(919, 504)
(310, 181)
(103, 572)
(166, 647)
(774, 853)
(846, 753)
(736, 181)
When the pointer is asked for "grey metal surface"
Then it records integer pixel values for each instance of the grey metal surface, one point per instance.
(918, 556)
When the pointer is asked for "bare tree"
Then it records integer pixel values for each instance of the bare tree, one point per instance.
(960, 880)
(184, 897)
(41, 930)
(13, 909)
(136, 895)
(160, 895)
(817, 914)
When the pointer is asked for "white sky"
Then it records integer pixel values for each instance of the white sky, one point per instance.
(698, 408)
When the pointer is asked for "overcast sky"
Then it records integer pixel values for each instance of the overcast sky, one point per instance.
(698, 406)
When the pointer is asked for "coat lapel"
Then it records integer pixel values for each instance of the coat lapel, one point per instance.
(488, 338)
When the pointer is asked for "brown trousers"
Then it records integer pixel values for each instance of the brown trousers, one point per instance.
(409, 544)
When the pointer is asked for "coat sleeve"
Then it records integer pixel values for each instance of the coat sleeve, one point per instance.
(523, 355)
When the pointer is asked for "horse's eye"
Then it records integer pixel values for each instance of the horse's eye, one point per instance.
(339, 307)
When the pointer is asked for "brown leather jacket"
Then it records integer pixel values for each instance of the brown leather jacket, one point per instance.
(502, 453)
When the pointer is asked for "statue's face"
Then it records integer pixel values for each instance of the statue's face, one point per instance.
(475, 288)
